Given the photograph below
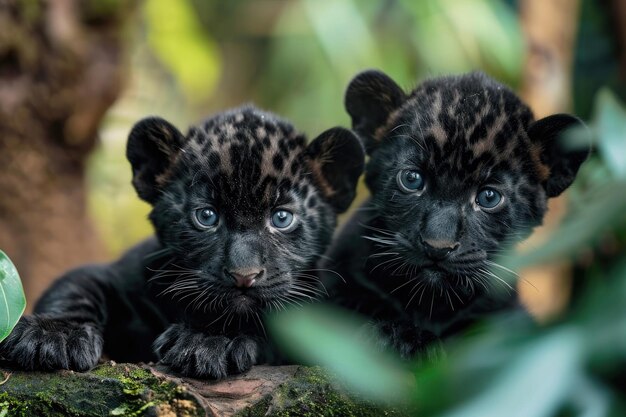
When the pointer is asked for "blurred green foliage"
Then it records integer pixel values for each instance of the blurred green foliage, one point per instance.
(318, 46)
(312, 333)
(573, 366)
(596, 61)
(611, 126)
(175, 36)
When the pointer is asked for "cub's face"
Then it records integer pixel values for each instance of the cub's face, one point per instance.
(459, 169)
(243, 204)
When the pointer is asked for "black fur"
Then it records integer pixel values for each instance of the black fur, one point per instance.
(420, 263)
(194, 296)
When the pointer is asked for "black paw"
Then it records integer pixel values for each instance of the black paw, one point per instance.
(43, 343)
(242, 354)
(196, 354)
(405, 338)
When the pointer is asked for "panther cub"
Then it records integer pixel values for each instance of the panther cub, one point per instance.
(242, 209)
(458, 171)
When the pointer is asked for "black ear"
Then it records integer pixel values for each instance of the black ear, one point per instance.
(554, 134)
(152, 145)
(370, 98)
(336, 160)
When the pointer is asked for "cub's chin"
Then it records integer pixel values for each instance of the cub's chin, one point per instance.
(434, 275)
(244, 303)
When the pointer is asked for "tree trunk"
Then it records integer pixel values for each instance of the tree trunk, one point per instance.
(131, 390)
(61, 67)
(550, 30)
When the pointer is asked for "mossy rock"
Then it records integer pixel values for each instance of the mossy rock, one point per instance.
(132, 390)
(312, 392)
(108, 390)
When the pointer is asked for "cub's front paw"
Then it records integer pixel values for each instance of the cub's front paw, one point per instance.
(45, 343)
(405, 338)
(243, 352)
(196, 354)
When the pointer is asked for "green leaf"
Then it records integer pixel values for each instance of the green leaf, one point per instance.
(328, 337)
(611, 130)
(604, 209)
(533, 384)
(603, 314)
(12, 299)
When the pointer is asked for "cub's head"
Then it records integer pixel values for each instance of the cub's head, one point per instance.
(243, 204)
(459, 168)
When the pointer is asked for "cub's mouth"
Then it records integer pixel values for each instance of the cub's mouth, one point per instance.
(284, 288)
(244, 299)
(409, 260)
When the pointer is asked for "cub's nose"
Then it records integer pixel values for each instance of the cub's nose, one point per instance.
(438, 250)
(245, 277)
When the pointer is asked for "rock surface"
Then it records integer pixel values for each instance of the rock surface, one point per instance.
(140, 390)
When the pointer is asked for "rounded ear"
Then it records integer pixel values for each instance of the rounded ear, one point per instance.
(370, 98)
(562, 158)
(152, 145)
(336, 160)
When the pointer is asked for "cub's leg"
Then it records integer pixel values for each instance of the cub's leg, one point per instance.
(195, 353)
(65, 332)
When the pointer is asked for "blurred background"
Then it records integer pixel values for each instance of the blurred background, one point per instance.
(76, 74)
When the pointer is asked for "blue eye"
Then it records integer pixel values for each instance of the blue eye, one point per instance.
(410, 181)
(205, 217)
(488, 198)
(282, 219)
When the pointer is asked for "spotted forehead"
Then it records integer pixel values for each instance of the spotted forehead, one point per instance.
(247, 154)
(468, 128)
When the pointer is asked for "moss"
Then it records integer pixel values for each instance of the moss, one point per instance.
(108, 390)
(313, 392)
(10, 406)
(145, 391)
(135, 381)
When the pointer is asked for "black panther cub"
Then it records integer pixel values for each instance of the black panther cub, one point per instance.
(459, 170)
(242, 209)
